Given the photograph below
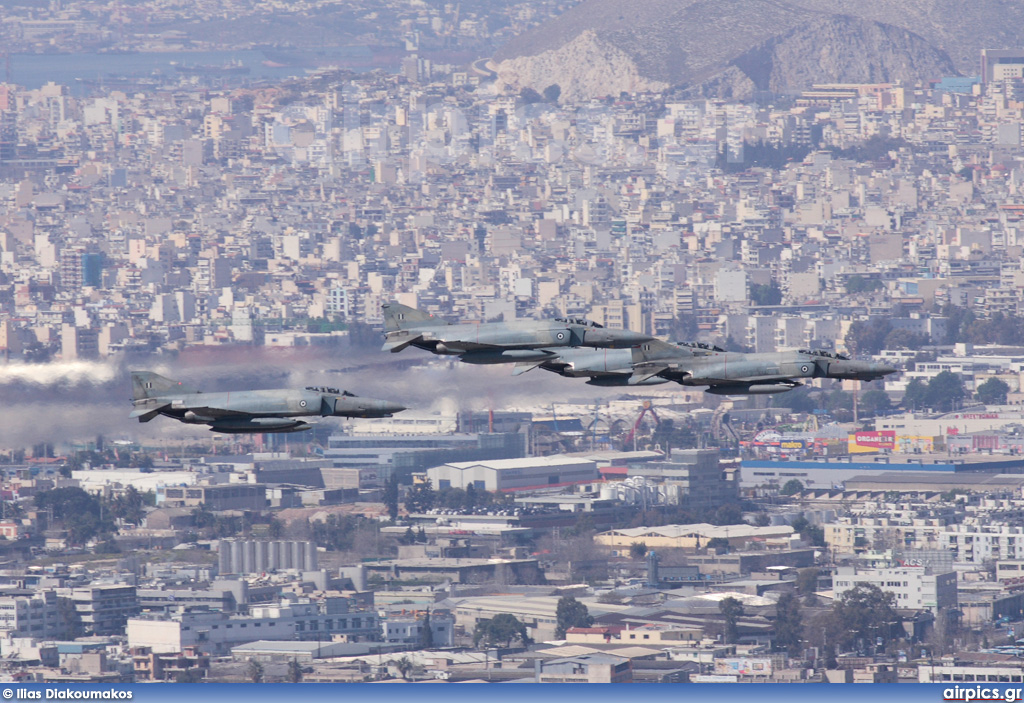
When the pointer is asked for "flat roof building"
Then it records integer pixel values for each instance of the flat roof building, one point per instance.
(514, 474)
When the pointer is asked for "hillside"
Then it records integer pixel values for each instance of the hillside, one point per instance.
(730, 48)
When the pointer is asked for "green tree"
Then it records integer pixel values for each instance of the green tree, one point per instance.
(858, 284)
(254, 671)
(404, 666)
(420, 498)
(993, 392)
(294, 672)
(129, 506)
(915, 396)
(570, 613)
(766, 294)
(807, 581)
(731, 610)
(426, 633)
(552, 93)
(503, 629)
(391, 497)
(862, 614)
(528, 96)
(788, 625)
(637, 550)
(791, 487)
(82, 514)
(867, 337)
(70, 619)
(873, 403)
(905, 339)
(275, 528)
(945, 391)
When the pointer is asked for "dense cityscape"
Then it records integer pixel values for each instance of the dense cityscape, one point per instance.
(243, 225)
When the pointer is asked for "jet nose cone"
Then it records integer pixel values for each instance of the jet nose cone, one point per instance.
(382, 408)
(884, 370)
(392, 408)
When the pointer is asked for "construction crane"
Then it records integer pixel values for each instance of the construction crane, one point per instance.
(648, 407)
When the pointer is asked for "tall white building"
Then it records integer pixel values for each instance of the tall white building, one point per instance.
(914, 587)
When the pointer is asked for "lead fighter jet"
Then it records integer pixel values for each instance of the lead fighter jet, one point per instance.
(698, 364)
(496, 342)
(244, 412)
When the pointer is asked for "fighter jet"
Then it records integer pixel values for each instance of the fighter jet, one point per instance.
(247, 411)
(699, 364)
(497, 342)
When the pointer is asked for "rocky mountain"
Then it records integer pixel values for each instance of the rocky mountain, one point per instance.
(731, 48)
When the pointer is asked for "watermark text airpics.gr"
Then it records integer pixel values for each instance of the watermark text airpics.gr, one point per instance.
(980, 693)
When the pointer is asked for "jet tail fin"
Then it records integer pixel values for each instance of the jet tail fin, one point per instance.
(146, 384)
(398, 316)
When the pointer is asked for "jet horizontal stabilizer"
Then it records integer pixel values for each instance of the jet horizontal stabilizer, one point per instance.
(147, 414)
(397, 344)
(524, 366)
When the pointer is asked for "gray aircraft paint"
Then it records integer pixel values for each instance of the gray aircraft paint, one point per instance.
(247, 411)
(496, 342)
(724, 373)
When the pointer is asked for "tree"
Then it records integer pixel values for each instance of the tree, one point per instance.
(788, 624)
(859, 284)
(254, 671)
(808, 532)
(570, 613)
(552, 93)
(762, 294)
(404, 666)
(993, 392)
(391, 497)
(426, 633)
(81, 514)
(791, 487)
(503, 629)
(874, 402)
(420, 498)
(867, 337)
(916, 394)
(862, 614)
(70, 619)
(807, 582)
(905, 339)
(945, 391)
(128, 507)
(637, 550)
(528, 96)
(275, 528)
(731, 610)
(294, 671)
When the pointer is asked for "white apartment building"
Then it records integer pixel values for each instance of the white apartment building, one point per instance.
(976, 544)
(408, 629)
(30, 614)
(914, 587)
(855, 533)
(216, 633)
